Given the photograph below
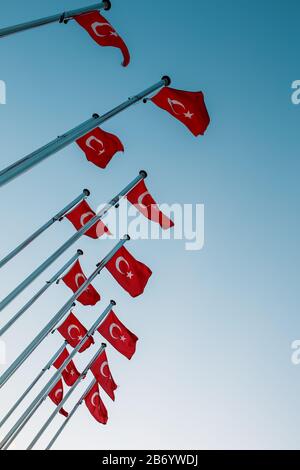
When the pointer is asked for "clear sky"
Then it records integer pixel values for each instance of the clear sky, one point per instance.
(213, 367)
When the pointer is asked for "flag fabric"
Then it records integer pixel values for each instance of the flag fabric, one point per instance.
(118, 335)
(130, 273)
(57, 395)
(101, 372)
(140, 197)
(70, 373)
(75, 278)
(187, 106)
(82, 214)
(103, 33)
(100, 146)
(95, 405)
(73, 331)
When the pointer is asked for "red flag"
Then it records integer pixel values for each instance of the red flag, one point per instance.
(101, 372)
(96, 406)
(70, 373)
(57, 395)
(103, 33)
(118, 335)
(74, 279)
(100, 146)
(73, 331)
(130, 273)
(81, 214)
(187, 106)
(140, 197)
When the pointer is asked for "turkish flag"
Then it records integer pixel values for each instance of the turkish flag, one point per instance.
(187, 106)
(96, 406)
(57, 395)
(103, 33)
(75, 278)
(82, 214)
(73, 331)
(70, 373)
(130, 273)
(140, 197)
(100, 146)
(118, 335)
(101, 372)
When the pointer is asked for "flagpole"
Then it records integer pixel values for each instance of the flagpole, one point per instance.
(60, 17)
(66, 397)
(42, 229)
(21, 287)
(58, 317)
(28, 162)
(26, 416)
(35, 381)
(71, 414)
(33, 299)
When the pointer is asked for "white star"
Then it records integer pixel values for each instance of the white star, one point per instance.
(188, 115)
(80, 338)
(72, 372)
(113, 33)
(123, 338)
(130, 275)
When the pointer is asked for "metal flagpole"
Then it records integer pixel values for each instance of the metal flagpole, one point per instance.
(58, 317)
(71, 414)
(33, 299)
(42, 229)
(38, 377)
(26, 163)
(10, 297)
(26, 416)
(61, 404)
(60, 17)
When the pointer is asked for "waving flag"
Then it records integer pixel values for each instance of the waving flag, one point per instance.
(103, 33)
(73, 331)
(70, 373)
(118, 335)
(130, 273)
(96, 406)
(187, 106)
(100, 146)
(74, 278)
(140, 197)
(57, 395)
(79, 217)
(101, 372)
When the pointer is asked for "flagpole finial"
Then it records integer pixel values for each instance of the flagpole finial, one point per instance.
(80, 252)
(126, 237)
(143, 173)
(167, 80)
(103, 345)
(87, 192)
(107, 5)
(113, 302)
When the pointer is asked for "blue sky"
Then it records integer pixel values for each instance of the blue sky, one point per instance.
(213, 366)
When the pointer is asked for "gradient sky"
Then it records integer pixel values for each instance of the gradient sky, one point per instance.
(213, 367)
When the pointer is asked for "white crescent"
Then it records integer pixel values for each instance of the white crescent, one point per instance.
(178, 103)
(84, 216)
(118, 262)
(60, 392)
(79, 276)
(89, 141)
(94, 396)
(141, 198)
(111, 330)
(105, 363)
(97, 25)
(71, 328)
